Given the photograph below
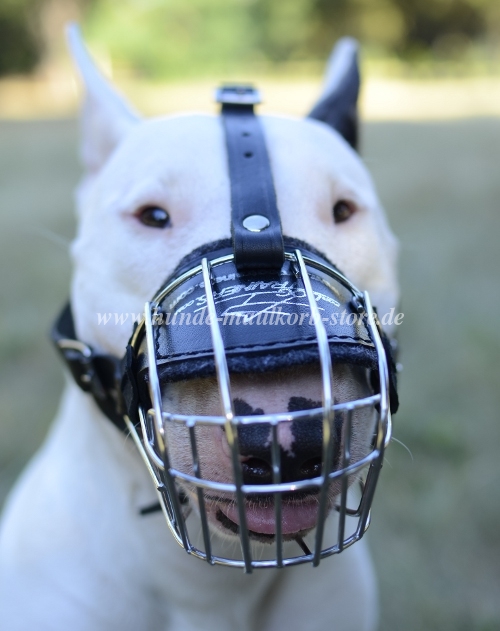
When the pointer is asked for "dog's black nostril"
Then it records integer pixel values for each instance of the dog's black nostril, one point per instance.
(310, 469)
(260, 471)
(256, 471)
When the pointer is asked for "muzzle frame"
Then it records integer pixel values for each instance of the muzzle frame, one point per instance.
(150, 434)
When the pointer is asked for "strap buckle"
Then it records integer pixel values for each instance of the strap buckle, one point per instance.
(74, 345)
(237, 95)
(79, 357)
(96, 374)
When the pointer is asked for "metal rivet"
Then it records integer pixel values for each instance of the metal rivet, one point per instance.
(256, 223)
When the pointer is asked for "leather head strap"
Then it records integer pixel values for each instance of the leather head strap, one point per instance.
(96, 373)
(255, 220)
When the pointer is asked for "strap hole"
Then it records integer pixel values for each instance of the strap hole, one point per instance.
(246, 133)
(248, 154)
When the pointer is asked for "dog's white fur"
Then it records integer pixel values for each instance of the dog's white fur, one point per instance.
(74, 552)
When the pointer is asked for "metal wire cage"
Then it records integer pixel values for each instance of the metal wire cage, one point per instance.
(351, 507)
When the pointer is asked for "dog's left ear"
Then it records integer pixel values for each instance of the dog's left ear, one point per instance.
(106, 117)
(337, 106)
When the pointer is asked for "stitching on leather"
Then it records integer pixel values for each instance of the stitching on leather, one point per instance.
(268, 345)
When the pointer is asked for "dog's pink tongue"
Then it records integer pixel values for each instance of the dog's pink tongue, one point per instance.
(261, 519)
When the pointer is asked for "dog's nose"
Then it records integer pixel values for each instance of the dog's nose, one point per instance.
(300, 452)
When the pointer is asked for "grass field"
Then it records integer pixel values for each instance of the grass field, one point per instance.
(436, 524)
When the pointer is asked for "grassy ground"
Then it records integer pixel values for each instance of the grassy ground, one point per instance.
(435, 533)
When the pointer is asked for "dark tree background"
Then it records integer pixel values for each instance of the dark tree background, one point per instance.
(165, 38)
(20, 48)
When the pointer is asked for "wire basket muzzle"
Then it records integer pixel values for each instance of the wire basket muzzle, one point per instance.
(212, 320)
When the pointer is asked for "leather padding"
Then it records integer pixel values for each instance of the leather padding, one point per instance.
(264, 318)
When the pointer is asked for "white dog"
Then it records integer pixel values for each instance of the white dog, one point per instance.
(75, 553)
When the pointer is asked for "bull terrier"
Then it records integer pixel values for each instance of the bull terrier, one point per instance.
(75, 551)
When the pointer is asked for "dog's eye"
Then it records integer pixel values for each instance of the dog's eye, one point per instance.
(343, 210)
(154, 217)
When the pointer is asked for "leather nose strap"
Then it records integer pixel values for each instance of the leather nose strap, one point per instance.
(255, 220)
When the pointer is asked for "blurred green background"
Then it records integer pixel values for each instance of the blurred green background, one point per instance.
(168, 38)
(436, 528)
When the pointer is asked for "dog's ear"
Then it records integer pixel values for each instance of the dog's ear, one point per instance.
(106, 118)
(337, 105)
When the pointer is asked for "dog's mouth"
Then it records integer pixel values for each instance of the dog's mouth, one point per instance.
(261, 524)
(299, 514)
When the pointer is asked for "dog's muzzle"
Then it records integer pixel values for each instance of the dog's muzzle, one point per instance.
(209, 318)
(258, 303)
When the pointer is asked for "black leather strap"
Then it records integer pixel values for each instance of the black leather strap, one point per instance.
(97, 374)
(255, 222)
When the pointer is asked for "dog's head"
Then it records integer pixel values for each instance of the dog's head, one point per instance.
(154, 192)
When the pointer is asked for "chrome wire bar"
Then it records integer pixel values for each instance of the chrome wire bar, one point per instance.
(366, 500)
(331, 271)
(276, 461)
(157, 461)
(138, 443)
(265, 489)
(346, 460)
(382, 366)
(383, 424)
(159, 485)
(300, 415)
(353, 512)
(154, 382)
(388, 433)
(199, 491)
(155, 395)
(228, 411)
(327, 396)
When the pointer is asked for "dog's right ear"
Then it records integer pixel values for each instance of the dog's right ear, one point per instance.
(106, 118)
(337, 106)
